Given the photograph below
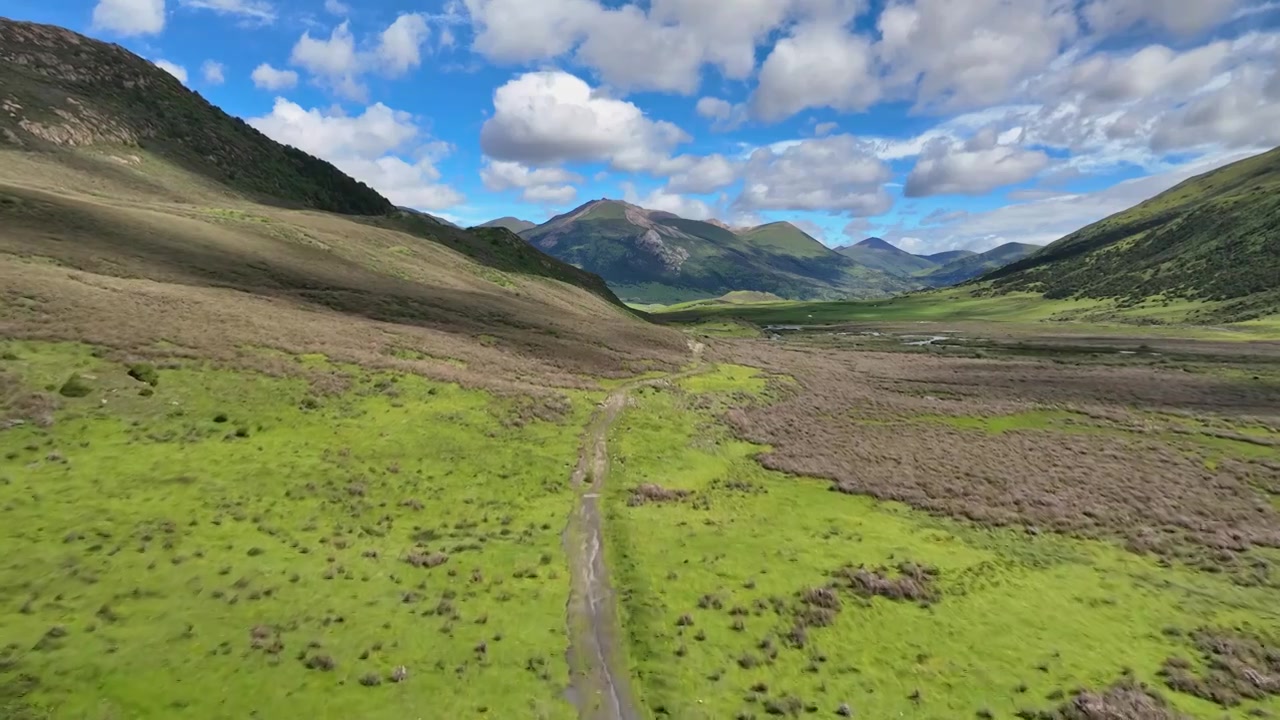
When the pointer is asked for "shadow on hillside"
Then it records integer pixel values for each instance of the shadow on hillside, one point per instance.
(144, 244)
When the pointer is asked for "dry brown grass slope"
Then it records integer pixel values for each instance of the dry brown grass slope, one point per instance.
(89, 253)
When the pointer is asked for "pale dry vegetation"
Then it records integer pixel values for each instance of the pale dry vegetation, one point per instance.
(1119, 463)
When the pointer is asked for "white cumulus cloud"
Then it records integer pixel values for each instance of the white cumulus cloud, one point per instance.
(129, 17)
(975, 167)
(837, 173)
(549, 117)
(269, 78)
(550, 185)
(173, 69)
(213, 72)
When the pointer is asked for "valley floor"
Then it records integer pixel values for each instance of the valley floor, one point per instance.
(805, 525)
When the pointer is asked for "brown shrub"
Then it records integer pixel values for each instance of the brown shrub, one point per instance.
(1237, 668)
(651, 493)
(1126, 700)
(19, 405)
(426, 560)
(822, 597)
(320, 662)
(911, 582)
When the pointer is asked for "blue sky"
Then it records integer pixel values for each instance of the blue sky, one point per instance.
(937, 124)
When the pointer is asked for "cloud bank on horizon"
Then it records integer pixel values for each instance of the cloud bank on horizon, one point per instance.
(937, 124)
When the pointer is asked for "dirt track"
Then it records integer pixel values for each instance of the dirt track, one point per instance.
(600, 685)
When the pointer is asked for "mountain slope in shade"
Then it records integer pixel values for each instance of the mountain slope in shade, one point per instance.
(1215, 237)
(880, 255)
(515, 225)
(948, 256)
(972, 266)
(652, 256)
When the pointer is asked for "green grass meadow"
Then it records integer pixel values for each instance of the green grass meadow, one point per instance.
(1021, 621)
(1155, 316)
(235, 545)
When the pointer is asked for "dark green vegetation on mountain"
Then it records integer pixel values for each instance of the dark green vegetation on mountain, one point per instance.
(969, 267)
(880, 255)
(515, 225)
(653, 256)
(1215, 237)
(61, 88)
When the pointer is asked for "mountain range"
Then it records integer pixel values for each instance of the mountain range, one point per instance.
(658, 257)
(649, 256)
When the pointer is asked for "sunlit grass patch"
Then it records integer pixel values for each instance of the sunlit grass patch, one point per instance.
(223, 547)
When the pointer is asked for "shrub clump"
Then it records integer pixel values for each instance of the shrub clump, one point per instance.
(144, 372)
(912, 582)
(426, 560)
(75, 386)
(652, 493)
(320, 662)
(1126, 700)
(1237, 668)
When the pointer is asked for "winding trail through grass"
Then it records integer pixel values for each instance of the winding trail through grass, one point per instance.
(600, 685)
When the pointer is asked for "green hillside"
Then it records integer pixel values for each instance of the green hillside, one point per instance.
(649, 256)
(515, 225)
(972, 266)
(785, 239)
(880, 255)
(1215, 237)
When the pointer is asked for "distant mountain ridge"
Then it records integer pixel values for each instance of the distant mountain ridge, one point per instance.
(937, 270)
(948, 256)
(514, 224)
(656, 256)
(971, 266)
(875, 253)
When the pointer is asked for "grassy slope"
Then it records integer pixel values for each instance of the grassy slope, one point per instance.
(1020, 618)
(966, 268)
(1213, 237)
(776, 258)
(783, 238)
(889, 259)
(110, 224)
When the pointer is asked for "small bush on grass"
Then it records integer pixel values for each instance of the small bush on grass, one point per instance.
(144, 372)
(75, 387)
